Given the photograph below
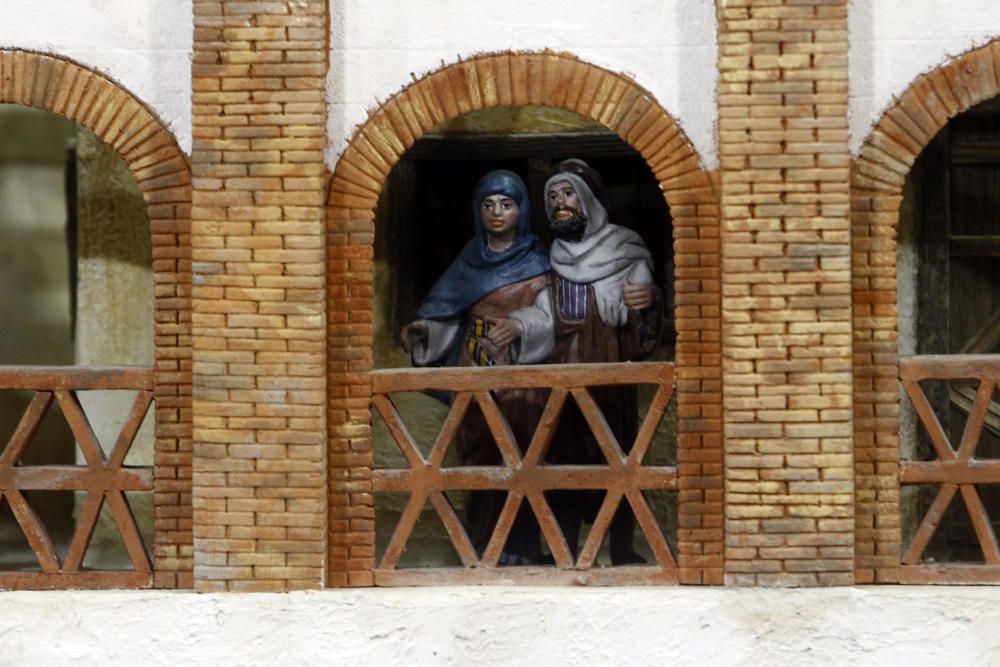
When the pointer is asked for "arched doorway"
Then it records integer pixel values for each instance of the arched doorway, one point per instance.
(112, 117)
(513, 80)
(918, 169)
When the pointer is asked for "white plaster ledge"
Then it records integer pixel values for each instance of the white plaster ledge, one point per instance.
(506, 626)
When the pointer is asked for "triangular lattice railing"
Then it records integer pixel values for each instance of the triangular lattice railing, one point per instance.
(105, 478)
(526, 478)
(955, 471)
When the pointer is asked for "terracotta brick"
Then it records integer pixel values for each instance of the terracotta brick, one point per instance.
(258, 386)
(785, 223)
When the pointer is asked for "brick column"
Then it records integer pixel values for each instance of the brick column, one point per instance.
(786, 303)
(259, 327)
(699, 388)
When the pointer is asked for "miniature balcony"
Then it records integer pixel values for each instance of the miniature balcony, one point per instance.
(954, 398)
(103, 480)
(524, 474)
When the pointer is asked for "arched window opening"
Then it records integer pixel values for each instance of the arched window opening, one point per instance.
(423, 217)
(423, 221)
(77, 345)
(948, 278)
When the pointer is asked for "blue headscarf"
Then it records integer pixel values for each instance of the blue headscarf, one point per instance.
(478, 270)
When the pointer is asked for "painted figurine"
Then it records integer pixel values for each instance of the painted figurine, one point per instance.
(607, 309)
(492, 307)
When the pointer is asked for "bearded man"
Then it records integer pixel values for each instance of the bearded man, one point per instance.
(607, 309)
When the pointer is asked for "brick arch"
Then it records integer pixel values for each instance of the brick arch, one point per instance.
(161, 169)
(510, 79)
(877, 178)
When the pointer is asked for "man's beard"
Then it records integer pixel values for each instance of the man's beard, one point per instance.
(570, 229)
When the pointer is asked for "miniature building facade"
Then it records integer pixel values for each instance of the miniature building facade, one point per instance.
(782, 137)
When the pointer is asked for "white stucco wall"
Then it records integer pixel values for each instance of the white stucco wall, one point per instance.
(893, 42)
(144, 45)
(669, 48)
(506, 626)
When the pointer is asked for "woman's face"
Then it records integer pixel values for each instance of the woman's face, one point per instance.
(499, 214)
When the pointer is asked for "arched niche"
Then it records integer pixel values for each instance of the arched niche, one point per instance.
(879, 176)
(512, 80)
(162, 172)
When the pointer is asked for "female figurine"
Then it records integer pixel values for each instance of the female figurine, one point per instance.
(492, 307)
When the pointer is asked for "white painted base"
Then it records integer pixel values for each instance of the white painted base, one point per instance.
(506, 626)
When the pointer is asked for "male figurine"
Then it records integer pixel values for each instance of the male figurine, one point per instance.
(492, 307)
(607, 309)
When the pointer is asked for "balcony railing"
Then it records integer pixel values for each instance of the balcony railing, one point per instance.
(955, 470)
(105, 479)
(525, 477)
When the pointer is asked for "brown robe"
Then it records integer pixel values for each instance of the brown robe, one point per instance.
(592, 341)
(521, 407)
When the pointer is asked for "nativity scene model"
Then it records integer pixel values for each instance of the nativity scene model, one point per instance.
(727, 313)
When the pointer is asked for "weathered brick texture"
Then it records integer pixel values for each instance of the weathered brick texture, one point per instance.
(876, 193)
(259, 382)
(163, 174)
(786, 304)
(556, 80)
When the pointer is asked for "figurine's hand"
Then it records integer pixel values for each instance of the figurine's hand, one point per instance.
(636, 296)
(413, 333)
(503, 332)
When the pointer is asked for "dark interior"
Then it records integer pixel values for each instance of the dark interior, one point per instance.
(425, 213)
